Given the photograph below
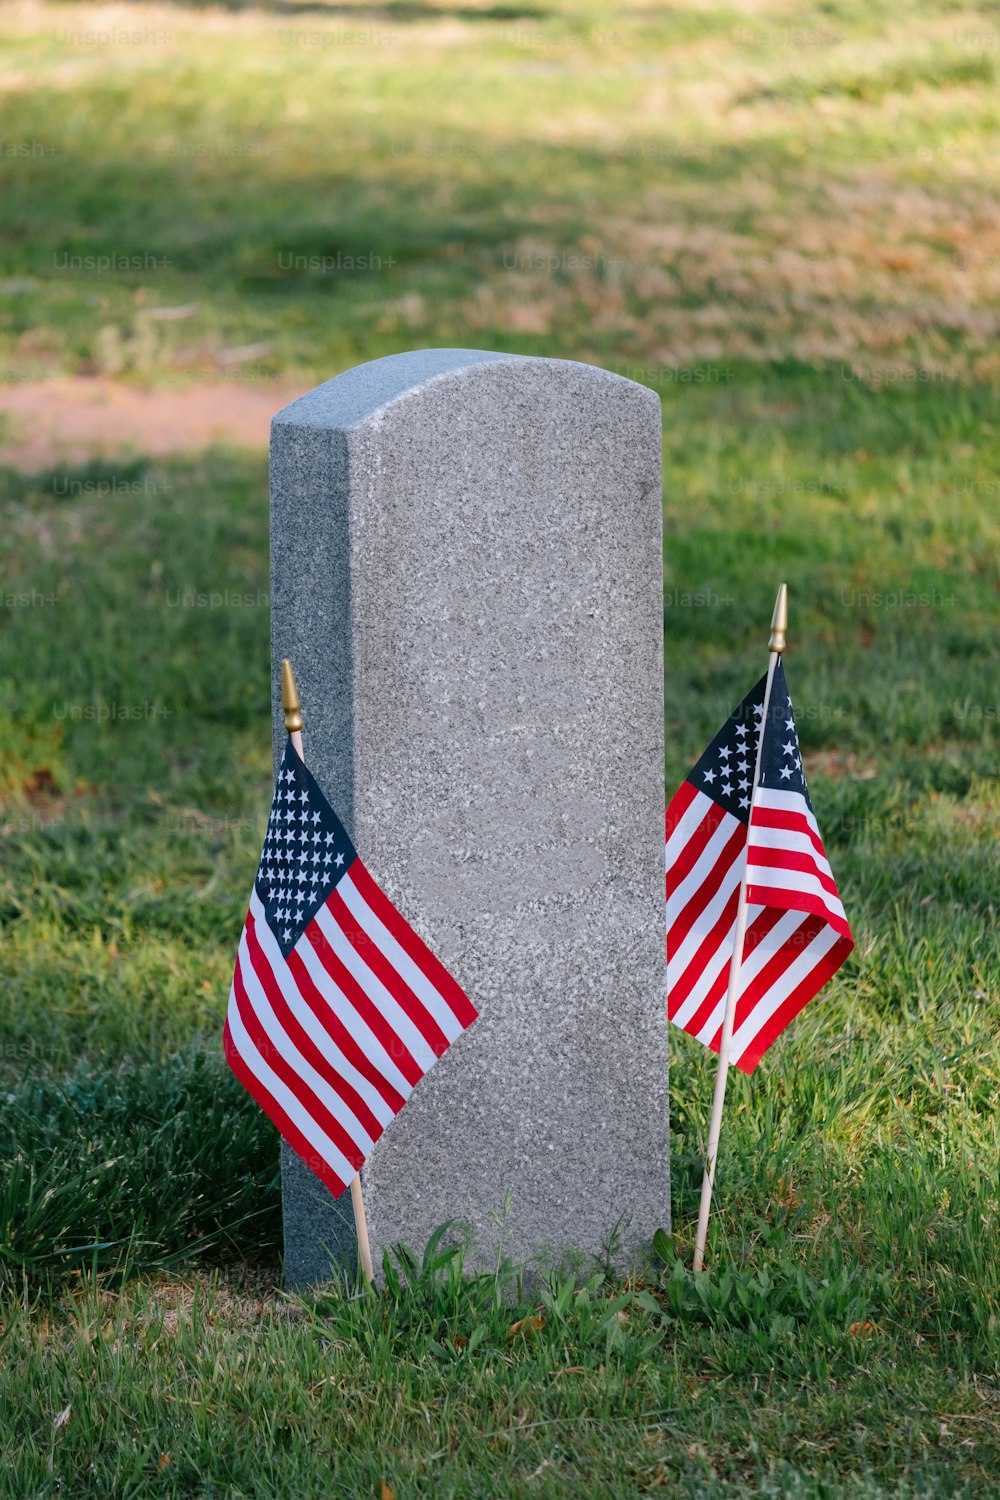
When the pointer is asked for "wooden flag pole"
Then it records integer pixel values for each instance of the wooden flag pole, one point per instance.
(775, 645)
(293, 723)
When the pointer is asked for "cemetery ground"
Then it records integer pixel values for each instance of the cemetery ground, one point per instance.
(847, 1337)
(790, 229)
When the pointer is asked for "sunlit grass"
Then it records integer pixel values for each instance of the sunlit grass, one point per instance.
(857, 1182)
(748, 223)
(685, 188)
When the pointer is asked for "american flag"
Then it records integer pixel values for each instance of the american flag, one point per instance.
(337, 1007)
(797, 935)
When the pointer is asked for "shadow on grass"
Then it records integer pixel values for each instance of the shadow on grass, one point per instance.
(393, 10)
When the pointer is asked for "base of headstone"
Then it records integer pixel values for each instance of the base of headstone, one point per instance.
(329, 1250)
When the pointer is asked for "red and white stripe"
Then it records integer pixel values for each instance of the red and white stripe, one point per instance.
(786, 861)
(332, 1040)
(797, 934)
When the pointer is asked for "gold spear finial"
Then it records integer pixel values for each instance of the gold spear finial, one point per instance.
(779, 620)
(290, 697)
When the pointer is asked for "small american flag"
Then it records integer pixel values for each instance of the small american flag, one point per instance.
(797, 935)
(337, 1007)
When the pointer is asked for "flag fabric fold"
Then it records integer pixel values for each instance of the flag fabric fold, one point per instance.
(797, 933)
(337, 1007)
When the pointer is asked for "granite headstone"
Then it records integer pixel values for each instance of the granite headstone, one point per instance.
(466, 572)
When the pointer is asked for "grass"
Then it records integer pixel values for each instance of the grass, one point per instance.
(794, 242)
(677, 1386)
(294, 189)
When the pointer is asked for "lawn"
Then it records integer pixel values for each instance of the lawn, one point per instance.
(786, 222)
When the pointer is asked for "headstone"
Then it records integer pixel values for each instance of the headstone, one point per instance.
(466, 572)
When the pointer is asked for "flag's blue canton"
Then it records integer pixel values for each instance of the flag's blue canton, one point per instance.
(725, 771)
(780, 756)
(306, 852)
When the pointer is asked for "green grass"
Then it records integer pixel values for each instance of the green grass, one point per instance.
(449, 1385)
(859, 1169)
(770, 221)
(311, 186)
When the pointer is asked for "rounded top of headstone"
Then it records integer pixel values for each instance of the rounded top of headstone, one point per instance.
(356, 395)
